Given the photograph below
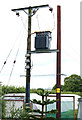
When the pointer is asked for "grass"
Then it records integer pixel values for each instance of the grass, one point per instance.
(67, 114)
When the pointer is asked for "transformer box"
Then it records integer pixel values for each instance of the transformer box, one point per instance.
(42, 40)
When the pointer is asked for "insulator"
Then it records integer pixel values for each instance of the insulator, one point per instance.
(34, 11)
(27, 61)
(14, 61)
(27, 67)
(17, 13)
(27, 55)
(5, 62)
(51, 9)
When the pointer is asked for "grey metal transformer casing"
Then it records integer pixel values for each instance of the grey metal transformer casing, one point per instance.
(42, 40)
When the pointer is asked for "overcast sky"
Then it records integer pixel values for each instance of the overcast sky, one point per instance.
(13, 37)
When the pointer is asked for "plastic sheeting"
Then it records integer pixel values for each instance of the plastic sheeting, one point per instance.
(80, 109)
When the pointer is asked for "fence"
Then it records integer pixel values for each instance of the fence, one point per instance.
(67, 104)
(67, 107)
(13, 102)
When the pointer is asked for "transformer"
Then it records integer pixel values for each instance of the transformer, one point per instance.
(42, 40)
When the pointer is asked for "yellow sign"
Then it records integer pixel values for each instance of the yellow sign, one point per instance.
(58, 90)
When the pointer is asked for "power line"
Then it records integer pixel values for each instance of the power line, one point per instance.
(24, 24)
(38, 22)
(8, 56)
(10, 74)
(53, 21)
(13, 45)
(14, 63)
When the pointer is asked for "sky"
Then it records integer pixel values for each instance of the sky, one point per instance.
(13, 41)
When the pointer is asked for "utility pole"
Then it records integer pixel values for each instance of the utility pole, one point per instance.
(28, 71)
(58, 75)
(28, 55)
(31, 12)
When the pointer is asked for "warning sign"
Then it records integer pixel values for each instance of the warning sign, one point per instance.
(58, 90)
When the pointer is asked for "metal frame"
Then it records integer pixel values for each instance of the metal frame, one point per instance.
(13, 96)
(43, 51)
(26, 8)
(64, 96)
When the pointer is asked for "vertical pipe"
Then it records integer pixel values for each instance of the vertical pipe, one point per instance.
(58, 75)
(45, 105)
(74, 106)
(28, 74)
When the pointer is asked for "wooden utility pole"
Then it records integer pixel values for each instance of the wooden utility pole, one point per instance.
(28, 71)
(58, 77)
(28, 55)
(28, 64)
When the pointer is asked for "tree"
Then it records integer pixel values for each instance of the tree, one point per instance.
(12, 89)
(44, 102)
(62, 87)
(73, 83)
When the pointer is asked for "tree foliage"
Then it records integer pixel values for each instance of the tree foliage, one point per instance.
(28, 113)
(73, 83)
(43, 102)
(62, 87)
(12, 89)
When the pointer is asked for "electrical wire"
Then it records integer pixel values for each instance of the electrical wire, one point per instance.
(11, 73)
(24, 24)
(53, 21)
(6, 60)
(10, 52)
(38, 22)
(14, 63)
(33, 13)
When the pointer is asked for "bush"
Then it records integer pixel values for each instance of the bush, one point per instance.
(12, 89)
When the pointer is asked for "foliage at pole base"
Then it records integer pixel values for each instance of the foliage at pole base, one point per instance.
(43, 103)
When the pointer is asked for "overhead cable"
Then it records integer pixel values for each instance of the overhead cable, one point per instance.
(53, 21)
(24, 24)
(9, 53)
(13, 45)
(14, 63)
(38, 22)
